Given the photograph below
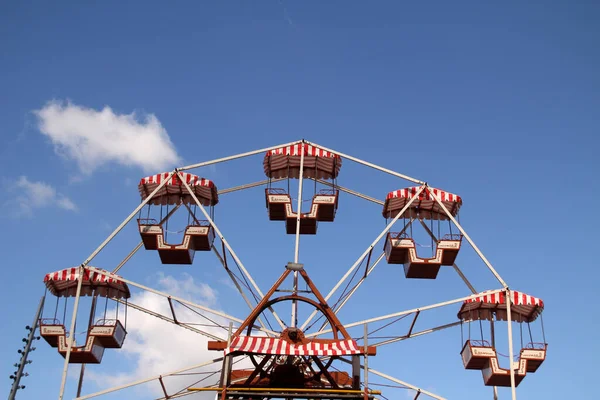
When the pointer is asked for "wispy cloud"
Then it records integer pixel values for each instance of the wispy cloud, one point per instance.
(30, 195)
(94, 138)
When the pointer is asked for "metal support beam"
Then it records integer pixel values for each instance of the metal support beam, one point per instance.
(464, 233)
(351, 192)
(368, 164)
(241, 155)
(71, 339)
(294, 321)
(511, 353)
(420, 333)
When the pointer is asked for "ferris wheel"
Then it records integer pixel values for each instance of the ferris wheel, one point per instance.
(278, 351)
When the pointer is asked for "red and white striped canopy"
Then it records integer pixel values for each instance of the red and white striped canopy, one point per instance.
(525, 308)
(284, 162)
(267, 345)
(424, 206)
(64, 283)
(174, 190)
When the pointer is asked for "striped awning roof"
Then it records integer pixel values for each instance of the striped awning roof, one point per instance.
(284, 162)
(63, 283)
(174, 190)
(276, 346)
(484, 306)
(424, 206)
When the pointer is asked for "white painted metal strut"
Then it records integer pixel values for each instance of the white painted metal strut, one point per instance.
(369, 249)
(483, 258)
(350, 191)
(510, 344)
(71, 339)
(415, 334)
(241, 155)
(368, 164)
(398, 314)
(226, 244)
(294, 321)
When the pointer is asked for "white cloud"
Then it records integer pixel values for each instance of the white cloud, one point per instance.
(34, 195)
(157, 347)
(93, 138)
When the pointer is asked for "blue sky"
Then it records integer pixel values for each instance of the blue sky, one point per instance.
(497, 103)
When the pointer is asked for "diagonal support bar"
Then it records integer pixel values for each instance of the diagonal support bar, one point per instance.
(483, 258)
(368, 164)
(241, 155)
(416, 334)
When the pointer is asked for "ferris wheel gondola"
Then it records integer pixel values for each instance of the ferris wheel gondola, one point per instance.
(316, 164)
(101, 333)
(198, 235)
(400, 247)
(480, 354)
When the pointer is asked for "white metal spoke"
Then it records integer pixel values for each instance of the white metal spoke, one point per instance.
(510, 344)
(369, 249)
(294, 321)
(368, 164)
(398, 314)
(227, 245)
(416, 334)
(129, 217)
(350, 191)
(483, 258)
(241, 155)
(70, 339)
(248, 186)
